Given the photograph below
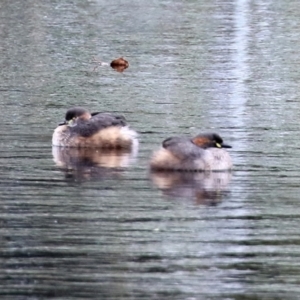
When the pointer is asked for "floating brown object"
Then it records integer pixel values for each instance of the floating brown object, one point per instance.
(119, 64)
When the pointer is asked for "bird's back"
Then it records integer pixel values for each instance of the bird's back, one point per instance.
(183, 148)
(180, 153)
(100, 130)
(96, 123)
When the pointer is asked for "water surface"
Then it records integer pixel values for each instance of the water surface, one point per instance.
(116, 231)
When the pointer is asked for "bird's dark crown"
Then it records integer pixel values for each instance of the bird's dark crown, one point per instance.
(75, 112)
(208, 140)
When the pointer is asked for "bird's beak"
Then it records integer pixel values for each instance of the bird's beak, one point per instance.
(225, 146)
(63, 123)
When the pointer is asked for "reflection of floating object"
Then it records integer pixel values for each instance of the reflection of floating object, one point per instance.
(86, 163)
(119, 68)
(97, 130)
(203, 187)
(118, 64)
(203, 153)
(76, 157)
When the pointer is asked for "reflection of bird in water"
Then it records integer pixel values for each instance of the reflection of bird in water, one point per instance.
(85, 164)
(118, 64)
(203, 187)
(204, 152)
(81, 129)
